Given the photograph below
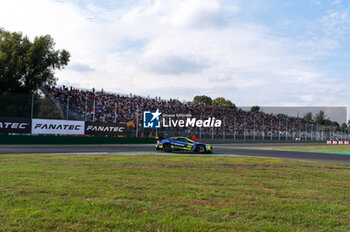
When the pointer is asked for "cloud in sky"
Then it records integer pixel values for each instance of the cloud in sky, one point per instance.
(80, 67)
(178, 48)
(174, 65)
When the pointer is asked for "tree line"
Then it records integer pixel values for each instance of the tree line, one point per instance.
(321, 119)
(219, 101)
(26, 66)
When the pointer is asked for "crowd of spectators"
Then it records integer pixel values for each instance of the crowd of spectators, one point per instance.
(100, 106)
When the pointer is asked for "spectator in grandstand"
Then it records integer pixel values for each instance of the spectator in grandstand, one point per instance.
(108, 107)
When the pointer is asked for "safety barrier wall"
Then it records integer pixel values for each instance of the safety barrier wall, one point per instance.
(59, 127)
(14, 139)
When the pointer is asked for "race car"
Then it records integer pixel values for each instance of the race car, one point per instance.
(182, 144)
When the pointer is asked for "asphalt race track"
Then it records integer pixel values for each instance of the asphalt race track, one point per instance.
(228, 149)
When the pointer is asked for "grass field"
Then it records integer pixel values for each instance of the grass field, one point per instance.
(340, 148)
(171, 193)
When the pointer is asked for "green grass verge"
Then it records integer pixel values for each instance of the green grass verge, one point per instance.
(171, 193)
(345, 148)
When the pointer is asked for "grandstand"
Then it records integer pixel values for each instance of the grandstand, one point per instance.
(99, 106)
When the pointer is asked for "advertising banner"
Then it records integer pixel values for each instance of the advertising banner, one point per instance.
(15, 125)
(62, 127)
(102, 129)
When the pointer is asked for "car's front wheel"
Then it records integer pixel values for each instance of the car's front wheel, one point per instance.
(201, 149)
(167, 147)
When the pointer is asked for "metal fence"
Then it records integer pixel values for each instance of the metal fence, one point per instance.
(29, 106)
(320, 133)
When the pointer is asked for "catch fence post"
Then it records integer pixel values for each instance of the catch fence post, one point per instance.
(234, 129)
(271, 131)
(67, 106)
(223, 135)
(93, 117)
(85, 108)
(254, 130)
(137, 124)
(279, 129)
(32, 108)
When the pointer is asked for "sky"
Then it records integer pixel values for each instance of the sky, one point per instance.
(256, 52)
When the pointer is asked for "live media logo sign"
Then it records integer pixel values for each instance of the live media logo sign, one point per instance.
(151, 119)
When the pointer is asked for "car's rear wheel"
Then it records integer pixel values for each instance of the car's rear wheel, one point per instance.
(201, 149)
(167, 147)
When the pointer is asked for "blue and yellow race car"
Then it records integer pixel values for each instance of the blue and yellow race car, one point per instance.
(182, 144)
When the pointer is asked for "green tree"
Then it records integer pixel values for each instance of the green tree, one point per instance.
(255, 109)
(25, 65)
(309, 116)
(203, 99)
(327, 122)
(222, 102)
(336, 125)
(320, 118)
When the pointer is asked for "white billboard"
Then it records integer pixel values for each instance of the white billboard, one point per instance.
(62, 127)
